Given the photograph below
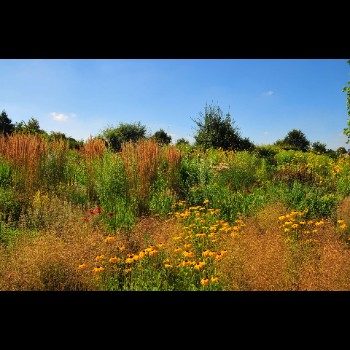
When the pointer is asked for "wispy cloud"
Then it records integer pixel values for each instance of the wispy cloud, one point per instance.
(60, 117)
(269, 93)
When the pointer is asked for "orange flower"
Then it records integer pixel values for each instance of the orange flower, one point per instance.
(204, 281)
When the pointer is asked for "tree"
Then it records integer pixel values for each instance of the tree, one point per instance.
(347, 90)
(6, 126)
(341, 150)
(125, 132)
(295, 139)
(72, 143)
(215, 130)
(319, 147)
(182, 141)
(162, 137)
(31, 127)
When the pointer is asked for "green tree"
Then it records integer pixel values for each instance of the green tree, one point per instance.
(162, 137)
(295, 139)
(72, 143)
(215, 130)
(347, 90)
(341, 150)
(181, 141)
(125, 132)
(319, 147)
(31, 127)
(6, 126)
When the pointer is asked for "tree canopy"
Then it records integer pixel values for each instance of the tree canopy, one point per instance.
(216, 131)
(6, 126)
(295, 139)
(162, 137)
(125, 132)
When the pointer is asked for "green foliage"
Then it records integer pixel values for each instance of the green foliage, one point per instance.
(217, 131)
(5, 173)
(111, 188)
(319, 147)
(6, 126)
(162, 198)
(317, 201)
(181, 141)
(8, 203)
(31, 127)
(125, 132)
(162, 137)
(72, 143)
(295, 140)
(341, 150)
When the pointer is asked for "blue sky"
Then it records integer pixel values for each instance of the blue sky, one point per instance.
(266, 98)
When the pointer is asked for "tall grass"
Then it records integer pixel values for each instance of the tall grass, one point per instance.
(153, 217)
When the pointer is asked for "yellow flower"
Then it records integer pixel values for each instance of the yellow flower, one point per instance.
(199, 265)
(98, 269)
(214, 279)
(177, 250)
(99, 257)
(343, 227)
(168, 265)
(114, 260)
(204, 281)
(206, 252)
(340, 221)
(153, 252)
(110, 239)
(188, 254)
(82, 266)
(206, 201)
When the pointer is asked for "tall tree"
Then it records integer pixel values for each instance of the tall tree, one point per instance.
(215, 130)
(6, 126)
(162, 137)
(31, 127)
(295, 139)
(123, 133)
(347, 90)
(319, 147)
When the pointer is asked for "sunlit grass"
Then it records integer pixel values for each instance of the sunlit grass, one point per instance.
(164, 219)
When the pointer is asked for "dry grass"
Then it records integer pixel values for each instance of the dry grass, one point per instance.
(141, 162)
(258, 255)
(260, 258)
(26, 153)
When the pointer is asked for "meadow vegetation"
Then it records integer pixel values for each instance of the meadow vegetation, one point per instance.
(164, 217)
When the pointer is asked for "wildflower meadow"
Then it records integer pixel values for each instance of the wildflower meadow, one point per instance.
(153, 217)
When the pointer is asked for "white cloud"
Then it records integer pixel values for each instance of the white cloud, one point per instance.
(60, 117)
(269, 93)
